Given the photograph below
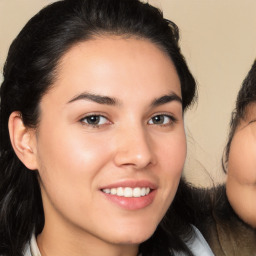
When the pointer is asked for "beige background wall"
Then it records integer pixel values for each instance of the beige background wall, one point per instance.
(218, 39)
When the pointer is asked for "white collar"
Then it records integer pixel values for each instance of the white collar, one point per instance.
(33, 247)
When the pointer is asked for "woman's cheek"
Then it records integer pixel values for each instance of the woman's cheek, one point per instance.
(242, 159)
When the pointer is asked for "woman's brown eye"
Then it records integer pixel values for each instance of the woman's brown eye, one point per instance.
(94, 120)
(158, 119)
(161, 120)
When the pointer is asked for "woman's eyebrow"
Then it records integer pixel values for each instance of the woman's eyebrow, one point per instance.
(100, 99)
(166, 99)
(106, 100)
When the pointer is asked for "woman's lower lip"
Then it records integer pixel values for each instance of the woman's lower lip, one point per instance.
(132, 203)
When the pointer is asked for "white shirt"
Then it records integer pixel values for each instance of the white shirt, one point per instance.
(198, 245)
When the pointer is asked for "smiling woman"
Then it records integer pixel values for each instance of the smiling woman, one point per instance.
(92, 134)
(120, 146)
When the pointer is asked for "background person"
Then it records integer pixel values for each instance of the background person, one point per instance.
(226, 215)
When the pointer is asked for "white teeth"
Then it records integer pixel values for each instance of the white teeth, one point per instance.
(143, 192)
(113, 191)
(107, 190)
(127, 191)
(120, 192)
(136, 192)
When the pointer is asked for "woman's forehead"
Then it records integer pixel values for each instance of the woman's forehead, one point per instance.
(117, 63)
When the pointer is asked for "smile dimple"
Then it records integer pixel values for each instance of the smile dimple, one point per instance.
(127, 191)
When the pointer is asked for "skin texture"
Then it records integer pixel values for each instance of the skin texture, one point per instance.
(241, 181)
(76, 160)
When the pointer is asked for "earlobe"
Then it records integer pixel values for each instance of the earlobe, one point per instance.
(23, 140)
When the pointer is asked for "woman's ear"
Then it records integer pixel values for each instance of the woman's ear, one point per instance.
(23, 141)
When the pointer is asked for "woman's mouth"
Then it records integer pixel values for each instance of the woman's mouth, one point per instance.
(131, 195)
(127, 191)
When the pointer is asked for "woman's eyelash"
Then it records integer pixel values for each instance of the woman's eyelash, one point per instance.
(252, 121)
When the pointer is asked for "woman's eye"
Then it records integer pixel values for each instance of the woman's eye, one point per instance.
(162, 120)
(94, 120)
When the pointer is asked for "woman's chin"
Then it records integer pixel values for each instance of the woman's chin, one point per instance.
(136, 237)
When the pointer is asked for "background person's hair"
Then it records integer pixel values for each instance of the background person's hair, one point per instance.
(29, 72)
(246, 96)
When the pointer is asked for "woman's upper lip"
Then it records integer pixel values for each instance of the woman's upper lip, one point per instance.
(131, 184)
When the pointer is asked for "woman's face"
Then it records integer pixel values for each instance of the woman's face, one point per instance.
(241, 181)
(110, 146)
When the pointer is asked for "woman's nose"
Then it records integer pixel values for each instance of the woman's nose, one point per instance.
(134, 148)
